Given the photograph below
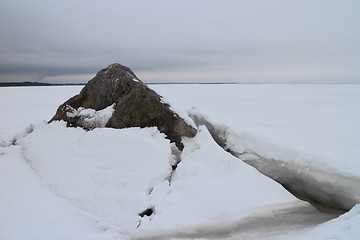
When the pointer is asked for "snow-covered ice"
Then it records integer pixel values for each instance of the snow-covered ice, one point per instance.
(22, 106)
(318, 122)
(28, 210)
(117, 174)
(307, 135)
(68, 183)
(344, 227)
(209, 179)
(107, 172)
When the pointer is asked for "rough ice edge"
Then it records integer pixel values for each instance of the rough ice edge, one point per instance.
(181, 114)
(298, 172)
(344, 227)
(261, 223)
(91, 118)
(248, 142)
(48, 164)
(205, 164)
(29, 129)
(4, 140)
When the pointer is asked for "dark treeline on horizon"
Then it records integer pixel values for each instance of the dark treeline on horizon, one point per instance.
(29, 84)
(39, 84)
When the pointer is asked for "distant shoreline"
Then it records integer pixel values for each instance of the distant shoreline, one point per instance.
(35, 84)
(38, 84)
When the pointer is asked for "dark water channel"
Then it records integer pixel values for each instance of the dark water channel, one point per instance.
(267, 222)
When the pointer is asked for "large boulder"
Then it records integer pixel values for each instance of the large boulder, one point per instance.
(135, 105)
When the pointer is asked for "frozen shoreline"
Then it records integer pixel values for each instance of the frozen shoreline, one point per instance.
(265, 223)
(322, 117)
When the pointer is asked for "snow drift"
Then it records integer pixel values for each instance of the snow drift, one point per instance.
(116, 175)
(29, 210)
(106, 172)
(304, 176)
(79, 192)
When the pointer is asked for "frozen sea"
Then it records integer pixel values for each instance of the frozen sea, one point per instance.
(66, 183)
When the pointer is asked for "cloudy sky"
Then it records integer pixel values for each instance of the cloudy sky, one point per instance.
(181, 41)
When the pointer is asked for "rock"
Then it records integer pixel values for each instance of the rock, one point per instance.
(135, 105)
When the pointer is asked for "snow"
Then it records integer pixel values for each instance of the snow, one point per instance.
(299, 134)
(67, 183)
(106, 172)
(22, 106)
(181, 114)
(28, 210)
(299, 119)
(119, 178)
(208, 179)
(342, 228)
(90, 118)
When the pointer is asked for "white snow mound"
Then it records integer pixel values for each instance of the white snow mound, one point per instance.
(106, 172)
(30, 211)
(210, 186)
(90, 118)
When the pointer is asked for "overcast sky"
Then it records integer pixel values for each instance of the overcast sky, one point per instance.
(180, 41)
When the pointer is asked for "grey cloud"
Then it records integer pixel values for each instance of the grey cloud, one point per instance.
(79, 37)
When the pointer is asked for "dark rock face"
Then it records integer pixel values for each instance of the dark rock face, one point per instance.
(135, 104)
